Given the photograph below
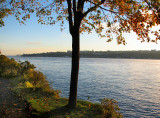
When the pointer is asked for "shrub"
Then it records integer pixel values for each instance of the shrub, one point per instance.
(110, 108)
(8, 67)
(12, 68)
(25, 67)
(38, 80)
(97, 108)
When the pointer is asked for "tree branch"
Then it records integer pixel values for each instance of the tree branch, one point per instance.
(2, 7)
(108, 10)
(48, 5)
(80, 5)
(70, 16)
(94, 7)
(74, 6)
(150, 5)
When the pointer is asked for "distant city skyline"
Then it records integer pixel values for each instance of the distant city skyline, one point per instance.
(16, 39)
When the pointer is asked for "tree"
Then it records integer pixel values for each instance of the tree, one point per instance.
(154, 6)
(21, 9)
(106, 17)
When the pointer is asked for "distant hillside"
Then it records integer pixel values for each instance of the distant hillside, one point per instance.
(102, 54)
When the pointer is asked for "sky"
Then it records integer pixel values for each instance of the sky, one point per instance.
(17, 38)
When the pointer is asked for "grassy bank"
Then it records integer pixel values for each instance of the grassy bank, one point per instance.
(31, 85)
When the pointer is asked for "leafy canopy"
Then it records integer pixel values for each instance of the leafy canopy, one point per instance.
(106, 17)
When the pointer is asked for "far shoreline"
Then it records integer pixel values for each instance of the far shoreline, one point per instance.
(86, 57)
(142, 54)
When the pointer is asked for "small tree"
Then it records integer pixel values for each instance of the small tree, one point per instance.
(106, 17)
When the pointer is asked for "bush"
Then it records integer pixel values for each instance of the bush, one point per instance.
(110, 108)
(12, 68)
(31, 78)
(25, 67)
(38, 80)
(8, 67)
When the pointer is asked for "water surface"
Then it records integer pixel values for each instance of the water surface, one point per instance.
(134, 83)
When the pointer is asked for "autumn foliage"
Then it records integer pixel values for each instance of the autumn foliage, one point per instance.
(99, 15)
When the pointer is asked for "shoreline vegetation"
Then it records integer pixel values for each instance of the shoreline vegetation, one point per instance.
(43, 101)
(141, 54)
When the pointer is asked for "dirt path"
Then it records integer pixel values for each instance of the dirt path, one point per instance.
(10, 105)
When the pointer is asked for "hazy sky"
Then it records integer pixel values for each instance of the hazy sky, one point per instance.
(36, 38)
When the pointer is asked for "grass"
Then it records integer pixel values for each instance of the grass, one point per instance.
(47, 104)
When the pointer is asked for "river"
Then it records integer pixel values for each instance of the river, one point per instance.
(134, 83)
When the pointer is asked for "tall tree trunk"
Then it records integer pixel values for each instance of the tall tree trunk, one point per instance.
(75, 67)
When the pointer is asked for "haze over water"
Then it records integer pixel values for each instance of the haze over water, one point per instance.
(134, 83)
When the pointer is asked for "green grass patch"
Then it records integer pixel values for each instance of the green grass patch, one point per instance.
(48, 105)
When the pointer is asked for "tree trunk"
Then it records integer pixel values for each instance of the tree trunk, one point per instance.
(75, 67)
